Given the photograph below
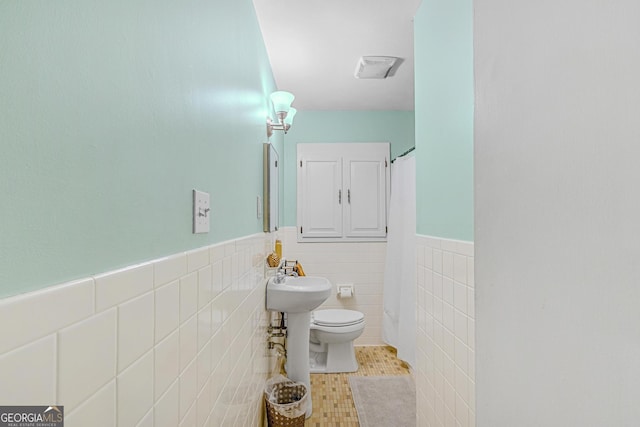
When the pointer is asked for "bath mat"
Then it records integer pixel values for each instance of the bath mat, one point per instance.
(384, 401)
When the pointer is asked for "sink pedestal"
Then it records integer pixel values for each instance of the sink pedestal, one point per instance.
(297, 296)
(297, 365)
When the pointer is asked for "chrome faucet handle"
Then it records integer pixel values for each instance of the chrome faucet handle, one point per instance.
(280, 277)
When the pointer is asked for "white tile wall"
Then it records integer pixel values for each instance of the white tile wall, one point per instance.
(167, 310)
(359, 263)
(167, 407)
(135, 391)
(99, 410)
(166, 366)
(40, 355)
(57, 307)
(119, 286)
(445, 367)
(135, 329)
(172, 342)
(87, 355)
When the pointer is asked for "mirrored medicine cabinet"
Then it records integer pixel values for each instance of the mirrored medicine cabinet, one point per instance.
(270, 188)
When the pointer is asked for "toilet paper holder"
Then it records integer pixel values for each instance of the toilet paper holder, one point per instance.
(345, 290)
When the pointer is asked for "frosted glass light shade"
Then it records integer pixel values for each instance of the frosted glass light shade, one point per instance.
(290, 115)
(281, 100)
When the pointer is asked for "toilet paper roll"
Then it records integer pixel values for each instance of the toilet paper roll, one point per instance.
(345, 292)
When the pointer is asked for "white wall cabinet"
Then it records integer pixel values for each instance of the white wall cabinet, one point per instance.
(342, 191)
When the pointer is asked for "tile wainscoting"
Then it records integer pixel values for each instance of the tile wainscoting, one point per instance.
(359, 263)
(178, 341)
(445, 371)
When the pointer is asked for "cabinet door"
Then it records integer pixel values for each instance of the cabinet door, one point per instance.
(320, 194)
(365, 186)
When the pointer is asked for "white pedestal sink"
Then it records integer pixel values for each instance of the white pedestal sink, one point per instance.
(297, 296)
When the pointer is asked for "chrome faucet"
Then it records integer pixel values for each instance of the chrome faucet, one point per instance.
(283, 271)
(280, 277)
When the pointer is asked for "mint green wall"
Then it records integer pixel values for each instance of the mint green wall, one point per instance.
(111, 112)
(444, 118)
(395, 127)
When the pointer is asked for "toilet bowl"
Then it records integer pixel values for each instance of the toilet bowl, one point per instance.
(331, 337)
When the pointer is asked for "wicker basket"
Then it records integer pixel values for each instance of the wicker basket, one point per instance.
(286, 404)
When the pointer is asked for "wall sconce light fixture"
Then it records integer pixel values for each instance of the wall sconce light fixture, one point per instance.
(285, 112)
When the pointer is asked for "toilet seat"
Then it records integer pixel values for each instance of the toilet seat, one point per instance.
(336, 317)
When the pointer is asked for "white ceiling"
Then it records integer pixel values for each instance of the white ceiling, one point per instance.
(314, 47)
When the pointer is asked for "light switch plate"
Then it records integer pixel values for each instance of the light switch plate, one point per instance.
(201, 212)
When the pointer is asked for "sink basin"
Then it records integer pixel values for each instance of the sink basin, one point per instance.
(297, 294)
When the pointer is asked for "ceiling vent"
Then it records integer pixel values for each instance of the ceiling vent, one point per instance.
(375, 67)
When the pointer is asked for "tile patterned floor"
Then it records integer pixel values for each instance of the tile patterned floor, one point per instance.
(332, 401)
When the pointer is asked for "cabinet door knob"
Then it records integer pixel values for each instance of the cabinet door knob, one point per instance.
(339, 197)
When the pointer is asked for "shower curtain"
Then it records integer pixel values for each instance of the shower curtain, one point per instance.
(399, 291)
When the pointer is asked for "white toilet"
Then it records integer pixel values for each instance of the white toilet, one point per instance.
(331, 337)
